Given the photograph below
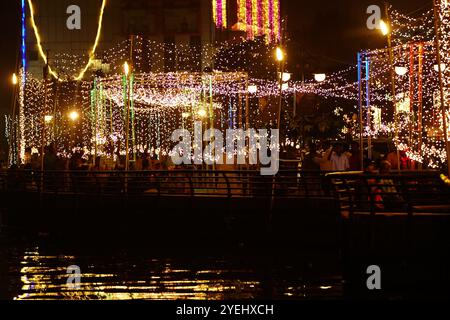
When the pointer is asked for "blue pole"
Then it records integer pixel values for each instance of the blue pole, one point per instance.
(368, 105)
(24, 44)
(361, 127)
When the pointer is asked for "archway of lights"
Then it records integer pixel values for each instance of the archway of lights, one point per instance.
(419, 127)
(162, 100)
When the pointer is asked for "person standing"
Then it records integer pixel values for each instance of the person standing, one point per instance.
(339, 159)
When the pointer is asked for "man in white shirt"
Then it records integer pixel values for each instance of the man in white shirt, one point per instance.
(339, 160)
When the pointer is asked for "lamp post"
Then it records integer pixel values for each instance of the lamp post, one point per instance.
(440, 67)
(126, 69)
(73, 117)
(386, 31)
(12, 134)
(320, 77)
(280, 57)
(14, 80)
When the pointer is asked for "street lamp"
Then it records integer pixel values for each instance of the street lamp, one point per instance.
(14, 79)
(280, 57)
(202, 113)
(401, 71)
(320, 77)
(384, 27)
(279, 54)
(126, 70)
(74, 116)
(13, 132)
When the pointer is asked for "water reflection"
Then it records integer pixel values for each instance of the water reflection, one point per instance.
(121, 277)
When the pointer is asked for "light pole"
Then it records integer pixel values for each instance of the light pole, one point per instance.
(386, 31)
(280, 56)
(73, 117)
(12, 134)
(126, 69)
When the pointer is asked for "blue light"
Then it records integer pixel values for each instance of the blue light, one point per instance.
(24, 45)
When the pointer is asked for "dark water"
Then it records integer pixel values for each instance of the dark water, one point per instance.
(38, 270)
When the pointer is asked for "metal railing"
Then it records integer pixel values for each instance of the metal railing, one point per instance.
(231, 184)
(407, 193)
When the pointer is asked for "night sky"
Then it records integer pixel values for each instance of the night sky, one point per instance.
(330, 32)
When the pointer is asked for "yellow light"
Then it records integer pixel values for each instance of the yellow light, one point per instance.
(202, 113)
(280, 54)
(48, 119)
(384, 28)
(126, 68)
(44, 56)
(74, 116)
(14, 79)
(38, 39)
(97, 39)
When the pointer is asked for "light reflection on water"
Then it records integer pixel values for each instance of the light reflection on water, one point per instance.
(127, 278)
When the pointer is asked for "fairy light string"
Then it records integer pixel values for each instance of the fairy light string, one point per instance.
(44, 55)
(161, 98)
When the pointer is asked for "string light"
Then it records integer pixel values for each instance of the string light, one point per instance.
(91, 53)
(166, 101)
(97, 39)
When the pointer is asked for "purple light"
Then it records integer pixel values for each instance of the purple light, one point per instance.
(219, 13)
(260, 17)
(279, 21)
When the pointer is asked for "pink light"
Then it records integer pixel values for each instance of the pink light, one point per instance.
(249, 20)
(219, 14)
(272, 36)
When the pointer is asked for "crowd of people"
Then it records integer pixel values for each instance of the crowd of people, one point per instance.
(325, 157)
(341, 157)
(79, 162)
